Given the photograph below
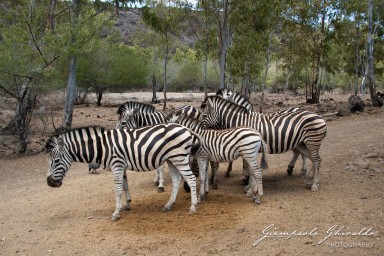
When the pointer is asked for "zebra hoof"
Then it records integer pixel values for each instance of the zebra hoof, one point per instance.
(192, 210)
(227, 174)
(290, 170)
(201, 199)
(308, 186)
(156, 183)
(127, 207)
(257, 201)
(315, 188)
(160, 190)
(115, 217)
(167, 208)
(214, 186)
(248, 195)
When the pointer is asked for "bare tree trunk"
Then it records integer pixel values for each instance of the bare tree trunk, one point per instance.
(51, 15)
(165, 77)
(205, 67)
(370, 72)
(267, 57)
(224, 41)
(154, 97)
(357, 62)
(117, 8)
(71, 82)
(71, 93)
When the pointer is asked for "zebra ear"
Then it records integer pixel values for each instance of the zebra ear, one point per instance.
(60, 143)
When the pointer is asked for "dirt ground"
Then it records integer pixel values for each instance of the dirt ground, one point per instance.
(344, 218)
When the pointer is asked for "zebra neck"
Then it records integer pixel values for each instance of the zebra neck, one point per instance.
(192, 124)
(86, 149)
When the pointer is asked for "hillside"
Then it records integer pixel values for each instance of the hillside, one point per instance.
(130, 21)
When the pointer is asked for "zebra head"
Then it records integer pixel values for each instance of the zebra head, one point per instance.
(126, 119)
(59, 161)
(210, 117)
(226, 94)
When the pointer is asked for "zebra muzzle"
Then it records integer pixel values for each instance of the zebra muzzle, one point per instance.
(53, 183)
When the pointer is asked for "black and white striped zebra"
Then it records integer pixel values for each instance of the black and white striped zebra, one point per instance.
(221, 146)
(238, 99)
(142, 149)
(301, 131)
(137, 118)
(125, 109)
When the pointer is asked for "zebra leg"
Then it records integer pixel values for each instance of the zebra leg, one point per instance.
(160, 179)
(128, 199)
(118, 173)
(245, 181)
(175, 176)
(213, 179)
(316, 168)
(229, 169)
(291, 165)
(255, 187)
(312, 178)
(203, 169)
(190, 178)
(303, 171)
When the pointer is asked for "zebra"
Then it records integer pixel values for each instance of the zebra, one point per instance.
(299, 130)
(124, 109)
(136, 119)
(221, 146)
(142, 149)
(238, 99)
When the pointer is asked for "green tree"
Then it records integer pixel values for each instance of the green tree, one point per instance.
(164, 18)
(27, 52)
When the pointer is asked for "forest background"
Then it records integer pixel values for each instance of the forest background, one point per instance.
(80, 47)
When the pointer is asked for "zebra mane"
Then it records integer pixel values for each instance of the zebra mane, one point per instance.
(132, 105)
(221, 92)
(52, 141)
(227, 102)
(228, 94)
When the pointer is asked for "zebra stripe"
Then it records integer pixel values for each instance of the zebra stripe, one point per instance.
(142, 149)
(295, 129)
(136, 119)
(129, 107)
(221, 146)
(238, 99)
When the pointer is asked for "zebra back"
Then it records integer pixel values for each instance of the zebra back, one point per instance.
(139, 119)
(141, 149)
(281, 132)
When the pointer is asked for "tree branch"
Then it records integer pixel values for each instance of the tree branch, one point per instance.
(8, 92)
(35, 43)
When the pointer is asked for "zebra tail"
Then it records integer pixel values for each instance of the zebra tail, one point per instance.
(264, 162)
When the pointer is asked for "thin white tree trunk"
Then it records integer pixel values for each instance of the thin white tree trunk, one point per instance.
(263, 85)
(71, 93)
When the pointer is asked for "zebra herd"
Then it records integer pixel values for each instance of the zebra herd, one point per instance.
(227, 128)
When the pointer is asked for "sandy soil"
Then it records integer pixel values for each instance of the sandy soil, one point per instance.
(344, 218)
